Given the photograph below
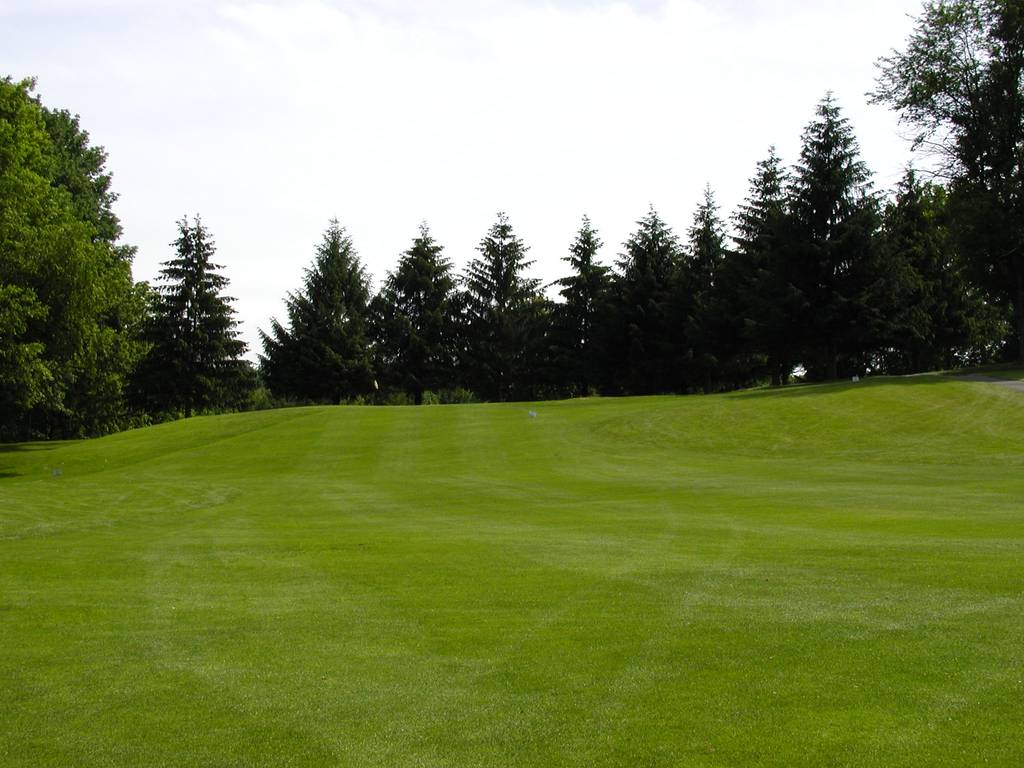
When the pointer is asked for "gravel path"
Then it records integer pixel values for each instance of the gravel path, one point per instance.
(1008, 383)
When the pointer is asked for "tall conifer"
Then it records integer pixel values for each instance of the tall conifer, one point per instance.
(707, 319)
(649, 319)
(503, 315)
(195, 362)
(580, 319)
(414, 320)
(323, 355)
(834, 219)
(771, 309)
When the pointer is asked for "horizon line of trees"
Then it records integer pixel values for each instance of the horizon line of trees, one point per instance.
(823, 276)
(816, 273)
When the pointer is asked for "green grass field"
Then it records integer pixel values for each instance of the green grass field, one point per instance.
(821, 576)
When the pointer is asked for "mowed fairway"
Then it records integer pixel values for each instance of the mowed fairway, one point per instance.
(823, 576)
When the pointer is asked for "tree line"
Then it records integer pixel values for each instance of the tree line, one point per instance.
(816, 274)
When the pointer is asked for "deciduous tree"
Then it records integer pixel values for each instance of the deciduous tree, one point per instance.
(959, 83)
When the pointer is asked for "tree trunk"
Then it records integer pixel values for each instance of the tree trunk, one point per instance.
(831, 363)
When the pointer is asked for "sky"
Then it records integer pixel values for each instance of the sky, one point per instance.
(271, 118)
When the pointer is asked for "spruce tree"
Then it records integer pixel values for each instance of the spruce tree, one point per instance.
(707, 323)
(706, 239)
(323, 355)
(771, 310)
(649, 314)
(195, 363)
(504, 316)
(579, 321)
(414, 321)
(834, 219)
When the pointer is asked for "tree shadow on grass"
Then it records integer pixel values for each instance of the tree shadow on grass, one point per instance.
(6, 471)
(839, 387)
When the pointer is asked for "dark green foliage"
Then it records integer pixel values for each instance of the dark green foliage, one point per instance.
(579, 326)
(960, 84)
(831, 241)
(323, 356)
(649, 316)
(941, 319)
(66, 293)
(708, 322)
(706, 241)
(504, 319)
(194, 363)
(768, 305)
(413, 321)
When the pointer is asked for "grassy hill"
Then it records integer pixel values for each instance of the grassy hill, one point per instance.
(821, 576)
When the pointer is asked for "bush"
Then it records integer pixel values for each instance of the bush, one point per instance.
(456, 396)
(260, 399)
(396, 398)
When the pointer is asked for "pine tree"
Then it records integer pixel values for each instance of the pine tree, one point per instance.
(195, 362)
(650, 317)
(504, 316)
(834, 218)
(578, 322)
(414, 321)
(323, 355)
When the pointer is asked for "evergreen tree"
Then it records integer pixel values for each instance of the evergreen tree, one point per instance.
(504, 317)
(414, 321)
(834, 218)
(579, 321)
(195, 361)
(708, 329)
(323, 355)
(770, 309)
(706, 238)
(649, 316)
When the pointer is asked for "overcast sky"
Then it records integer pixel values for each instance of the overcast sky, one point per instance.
(271, 118)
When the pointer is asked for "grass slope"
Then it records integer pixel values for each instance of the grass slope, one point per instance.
(823, 576)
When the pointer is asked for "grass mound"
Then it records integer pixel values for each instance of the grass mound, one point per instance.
(827, 575)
